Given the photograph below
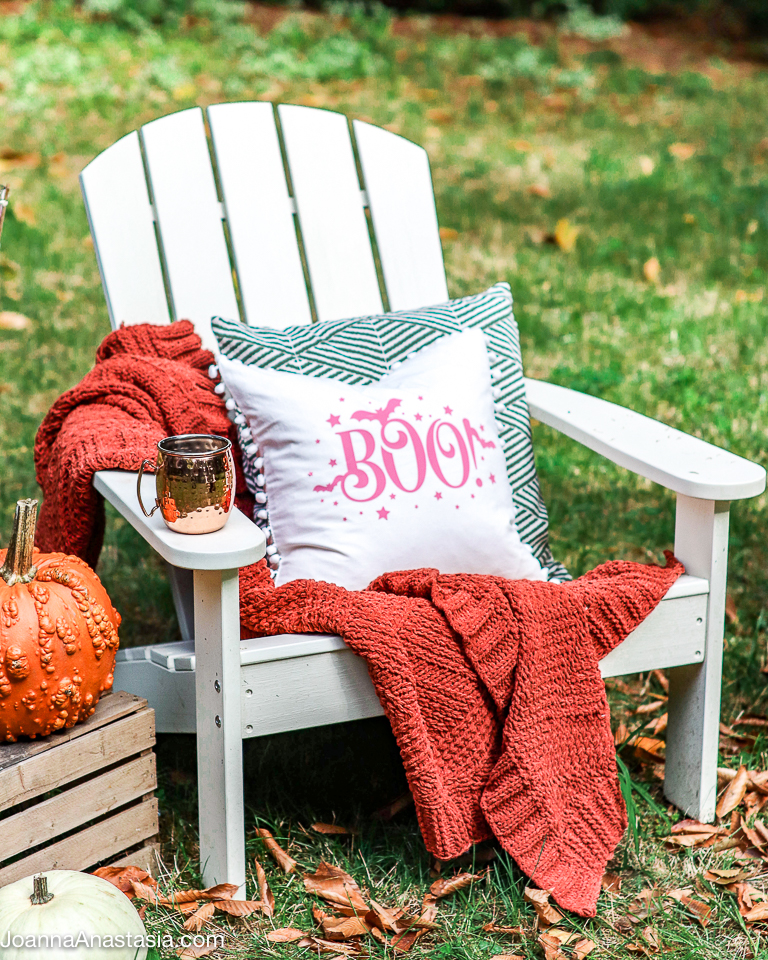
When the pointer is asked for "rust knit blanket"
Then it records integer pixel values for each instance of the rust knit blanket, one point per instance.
(149, 382)
(492, 686)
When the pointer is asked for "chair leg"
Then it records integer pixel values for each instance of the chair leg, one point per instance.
(701, 543)
(219, 734)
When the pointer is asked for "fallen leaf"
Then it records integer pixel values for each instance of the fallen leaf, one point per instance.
(13, 321)
(329, 946)
(265, 894)
(750, 722)
(199, 917)
(699, 910)
(239, 908)
(192, 952)
(583, 948)
(726, 877)
(565, 235)
(342, 928)
(448, 233)
(507, 956)
(752, 835)
(660, 725)
(143, 891)
(402, 802)
(222, 891)
(551, 947)
(652, 270)
(756, 913)
(17, 160)
(336, 887)
(509, 931)
(546, 914)
(611, 883)
(650, 707)
(682, 151)
(696, 827)
(661, 679)
(688, 839)
(678, 894)
(285, 935)
(383, 918)
(332, 829)
(445, 886)
(734, 735)
(185, 909)
(540, 190)
(123, 877)
(734, 793)
(647, 166)
(286, 863)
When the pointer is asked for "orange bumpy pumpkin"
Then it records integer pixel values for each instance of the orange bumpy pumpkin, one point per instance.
(58, 636)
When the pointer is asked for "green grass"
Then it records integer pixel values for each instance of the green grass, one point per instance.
(497, 116)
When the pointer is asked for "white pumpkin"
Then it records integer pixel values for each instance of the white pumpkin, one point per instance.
(79, 906)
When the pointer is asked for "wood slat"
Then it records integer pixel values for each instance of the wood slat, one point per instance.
(333, 224)
(120, 216)
(189, 220)
(76, 758)
(399, 187)
(76, 806)
(112, 706)
(92, 845)
(259, 214)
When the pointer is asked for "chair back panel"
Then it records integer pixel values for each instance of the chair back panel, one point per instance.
(123, 230)
(189, 220)
(319, 186)
(399, 187)
(260, 214)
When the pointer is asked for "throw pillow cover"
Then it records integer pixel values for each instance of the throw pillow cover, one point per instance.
(362, 350)
(404, 473)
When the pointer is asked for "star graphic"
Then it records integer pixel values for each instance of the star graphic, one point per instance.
(481, 428)
(421, 398)
(391, 496)
(457, 506)
(492, 478)
(333, 420)
(335, 503)
(417, 417)
(438, 496)
(331, 463)
(383, 513)
(448, 410)
(341, 399)
(317, 441)
(309, 474)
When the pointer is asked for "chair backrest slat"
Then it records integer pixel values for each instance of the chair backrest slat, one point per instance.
(189, 220)
(334, 228)
(398, 183)
(259, 213)
(123, 231)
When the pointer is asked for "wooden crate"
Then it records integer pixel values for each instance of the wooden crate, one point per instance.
(82, 796)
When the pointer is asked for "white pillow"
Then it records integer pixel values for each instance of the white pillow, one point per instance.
(405, 473)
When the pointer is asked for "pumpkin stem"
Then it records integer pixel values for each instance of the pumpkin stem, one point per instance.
(18, 561)
(40, 890)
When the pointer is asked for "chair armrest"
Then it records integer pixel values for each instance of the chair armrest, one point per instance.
(236, 545)
(649, 448)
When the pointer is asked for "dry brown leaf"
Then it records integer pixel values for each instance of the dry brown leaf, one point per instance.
(699, 909)
(507, 956)
(192, 952)
(754, 803)
(332, 829)
(448, 233)
(678, 894)
(583, 949)
(734, 793)
(445, 886)
(342, 928)
(651, 707)
(123, 877)
(566, 234)
(696, 827)
(508, 931)
(735, 735)
(199, 917)
(382, 917)
(285, 935)
(660, 725)
(688, 839)
(726, 877)
(143, 891)
(661, 679)
(239, 908)
(222, 891)
(756, 913)
(185, 909)
(336, 887)
(611, 883)
(405, 941)
(13, 321)
(546, 914)
(329, 946)
(652, 270)
(286, 863)
(751, 722)
(621, 735)
(682, 151)
(265, 894)
(752, 835)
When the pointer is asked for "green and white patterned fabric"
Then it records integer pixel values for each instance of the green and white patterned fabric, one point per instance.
(363, 349)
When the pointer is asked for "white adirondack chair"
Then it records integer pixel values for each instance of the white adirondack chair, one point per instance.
(163, 231)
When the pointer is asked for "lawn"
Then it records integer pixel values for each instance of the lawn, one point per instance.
(655, 297)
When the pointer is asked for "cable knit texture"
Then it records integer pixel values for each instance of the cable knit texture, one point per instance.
(149, 382)
(492, 686)
(494, 694)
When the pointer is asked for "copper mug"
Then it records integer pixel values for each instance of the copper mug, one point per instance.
(195, 478)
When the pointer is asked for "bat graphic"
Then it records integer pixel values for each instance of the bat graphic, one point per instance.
(382, 414)
(327, 487)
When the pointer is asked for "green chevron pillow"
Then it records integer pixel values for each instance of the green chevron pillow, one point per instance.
(363, 349)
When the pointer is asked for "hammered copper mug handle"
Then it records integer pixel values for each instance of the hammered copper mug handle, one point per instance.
(138, 489)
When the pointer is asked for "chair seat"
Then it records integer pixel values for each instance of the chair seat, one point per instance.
(294, 681)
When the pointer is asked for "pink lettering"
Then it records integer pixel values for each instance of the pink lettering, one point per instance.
(364, 478)
(399, 443)
(449, 452)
